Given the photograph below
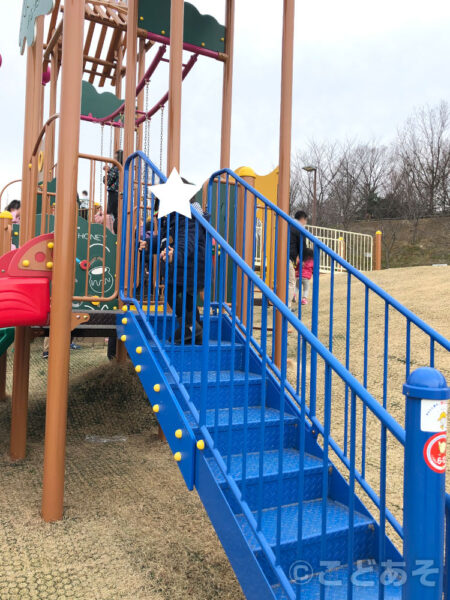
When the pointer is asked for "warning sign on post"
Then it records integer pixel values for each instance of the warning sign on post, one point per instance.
(434, 452)
(433, 415)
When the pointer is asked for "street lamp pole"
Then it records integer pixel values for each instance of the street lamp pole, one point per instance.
(314, 206)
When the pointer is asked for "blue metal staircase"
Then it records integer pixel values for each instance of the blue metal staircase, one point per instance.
(289, 515)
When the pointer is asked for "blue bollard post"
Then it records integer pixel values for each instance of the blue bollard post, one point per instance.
(426, 394)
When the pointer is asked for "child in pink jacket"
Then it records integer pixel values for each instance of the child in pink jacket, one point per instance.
(307, 271)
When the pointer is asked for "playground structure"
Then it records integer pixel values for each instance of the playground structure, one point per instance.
(254, 436)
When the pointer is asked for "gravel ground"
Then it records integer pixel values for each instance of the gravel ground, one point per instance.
(131, 530)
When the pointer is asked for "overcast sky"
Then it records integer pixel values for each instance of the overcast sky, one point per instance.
(360, 69)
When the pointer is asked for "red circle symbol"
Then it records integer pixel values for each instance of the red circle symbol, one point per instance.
(39, 257)
(84, 265)
(434, 452)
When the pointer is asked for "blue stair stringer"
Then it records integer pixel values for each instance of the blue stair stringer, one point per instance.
(257, 459)
(178, 400)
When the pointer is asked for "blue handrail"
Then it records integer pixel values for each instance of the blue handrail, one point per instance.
(440, 339)
(337, 367)
(230, 266)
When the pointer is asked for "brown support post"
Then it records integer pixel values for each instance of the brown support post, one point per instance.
(64, 262)
(227, 93)
(21, 369)
(5, 246)
(175, 82)
(54, 69)
(130, 83)
(287, 67)
(377, 251)
(247, 209)
(38, 90)
(130, 114)
(118, 94)
(140, 98)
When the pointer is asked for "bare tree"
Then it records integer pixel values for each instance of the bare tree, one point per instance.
(323, 157)
(423, 150)
(409, 179)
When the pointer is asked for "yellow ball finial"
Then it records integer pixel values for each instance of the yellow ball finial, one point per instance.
(49, 265)
(139, 350)
(378, 232)
(124, 321)
(246, 172)
(178, 434)
(156, 387)
(50, 245)
(177, 456)
(201, 444)
(124, 308)
(25, 263)
(156, 408)
(6, 215)
(138, 368)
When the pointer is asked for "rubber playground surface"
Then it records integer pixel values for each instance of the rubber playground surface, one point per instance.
(131, 530)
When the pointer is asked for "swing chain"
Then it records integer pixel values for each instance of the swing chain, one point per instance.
(111, 135)
(121, 132)
(102, 164)
(161, 139)
(147, 121)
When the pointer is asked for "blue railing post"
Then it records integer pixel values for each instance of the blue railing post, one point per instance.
(426, 394)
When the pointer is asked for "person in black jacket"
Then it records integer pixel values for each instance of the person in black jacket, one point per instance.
(294, 252)
(172, 248)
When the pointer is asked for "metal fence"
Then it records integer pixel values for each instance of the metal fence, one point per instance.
(355, 248)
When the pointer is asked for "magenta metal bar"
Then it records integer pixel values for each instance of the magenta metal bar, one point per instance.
(151, 69)
(155, 37)
(108, 120)
(191, 62)
(90, 119)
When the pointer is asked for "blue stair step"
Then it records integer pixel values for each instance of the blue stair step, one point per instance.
(213, 328)
(311, 477)
(253, 439)
(222, 416)
(336, 539)
(223, 391)
(220, 356)
(366, 584)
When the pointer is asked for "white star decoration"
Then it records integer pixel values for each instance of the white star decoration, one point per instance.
(174, 195)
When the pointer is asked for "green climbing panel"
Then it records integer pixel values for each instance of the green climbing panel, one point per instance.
(200, 30)
(97, 265)
(51, 188)
(6, 339)
(98, 105)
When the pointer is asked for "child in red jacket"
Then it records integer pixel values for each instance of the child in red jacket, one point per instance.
(307, 271)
